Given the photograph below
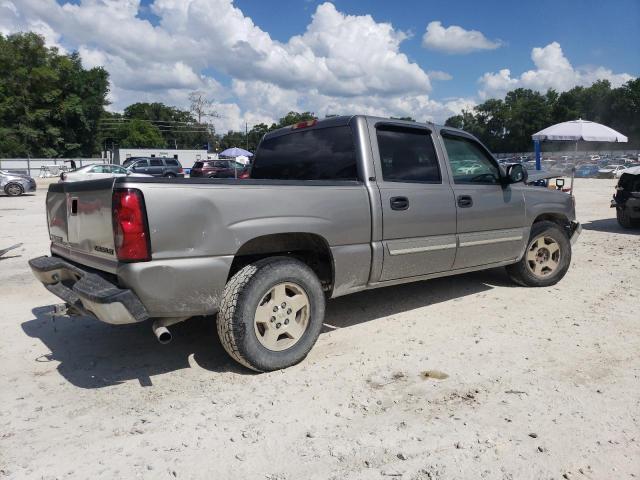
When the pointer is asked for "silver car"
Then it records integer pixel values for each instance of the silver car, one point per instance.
(15, 184)
(97, 171)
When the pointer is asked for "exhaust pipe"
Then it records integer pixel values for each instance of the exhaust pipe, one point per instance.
(162, 333)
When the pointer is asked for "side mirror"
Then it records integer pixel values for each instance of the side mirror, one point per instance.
(516, 173)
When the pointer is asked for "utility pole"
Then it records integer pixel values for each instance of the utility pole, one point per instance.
(246, 135)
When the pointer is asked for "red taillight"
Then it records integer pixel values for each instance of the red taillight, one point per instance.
(244, 175)
(306, 124)
(180, 170)
(130, 229)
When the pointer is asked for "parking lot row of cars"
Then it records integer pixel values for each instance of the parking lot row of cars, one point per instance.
(591, 166)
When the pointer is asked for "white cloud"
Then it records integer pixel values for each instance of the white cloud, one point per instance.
(337, 57)
(553, 70)
(456, 40)
(439, 75)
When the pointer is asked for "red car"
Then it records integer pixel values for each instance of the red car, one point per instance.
(219, 169)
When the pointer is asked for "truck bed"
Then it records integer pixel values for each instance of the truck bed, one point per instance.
(198, 225)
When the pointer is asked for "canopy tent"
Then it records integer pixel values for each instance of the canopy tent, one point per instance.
(236, 152)
(575, 131)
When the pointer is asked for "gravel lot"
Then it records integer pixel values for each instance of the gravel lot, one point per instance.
(457, 378)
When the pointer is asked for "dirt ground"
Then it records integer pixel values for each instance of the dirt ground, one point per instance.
(458, 378)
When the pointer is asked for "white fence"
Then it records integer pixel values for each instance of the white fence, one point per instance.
(43, 166)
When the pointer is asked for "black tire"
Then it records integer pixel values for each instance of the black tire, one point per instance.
(213, 175)
(521, 272)
(170, 175)
(239, 303)
(13, 189)
(623, 219)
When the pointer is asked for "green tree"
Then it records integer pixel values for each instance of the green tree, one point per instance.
(292, 118)
(140, 134)
(49, 104)
(178, 128)
(507, 125)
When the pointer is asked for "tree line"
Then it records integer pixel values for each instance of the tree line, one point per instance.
(507, 125)
(51, 106)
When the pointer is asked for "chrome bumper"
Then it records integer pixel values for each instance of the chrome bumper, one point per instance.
(88, 293)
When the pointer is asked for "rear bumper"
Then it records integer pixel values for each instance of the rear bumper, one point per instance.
(87, 292)
(576, 230)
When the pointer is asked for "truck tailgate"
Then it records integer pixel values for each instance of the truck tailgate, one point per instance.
(79, 217)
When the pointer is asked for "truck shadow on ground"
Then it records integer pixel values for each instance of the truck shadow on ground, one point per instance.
(92, 354)
(609, 225)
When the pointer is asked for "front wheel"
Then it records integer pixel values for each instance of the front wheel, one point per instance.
(271, 313)
(14, 190)
(546, 259)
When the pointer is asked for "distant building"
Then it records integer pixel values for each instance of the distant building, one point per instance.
(186, 157)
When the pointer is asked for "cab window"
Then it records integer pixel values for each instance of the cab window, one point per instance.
(470, 163)
(316, 154)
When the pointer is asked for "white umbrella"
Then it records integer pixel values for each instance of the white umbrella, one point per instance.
(580, 130)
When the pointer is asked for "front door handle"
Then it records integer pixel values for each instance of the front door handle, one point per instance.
(465, 201)
(399, 203)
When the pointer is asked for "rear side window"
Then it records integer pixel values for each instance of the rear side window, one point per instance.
(172, 163)
(318, 154)
(407, 155)
(156, 162)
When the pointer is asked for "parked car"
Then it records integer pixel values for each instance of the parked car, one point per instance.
(610, 171)
(585, 171)
(620, 171)
(218, 169)
(155, 166)
(15, 184)
(626, 200)
(337, 206)
(96, 171)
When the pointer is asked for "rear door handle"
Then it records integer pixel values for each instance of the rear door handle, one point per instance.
(465, 201)
(399, 203)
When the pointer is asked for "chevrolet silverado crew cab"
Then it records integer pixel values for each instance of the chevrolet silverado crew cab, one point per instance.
(332, 207)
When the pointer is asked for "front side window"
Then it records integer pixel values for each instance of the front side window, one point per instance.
(98, 169)
(141, 164)
(407, 155)
(469, 162)
(317, 154)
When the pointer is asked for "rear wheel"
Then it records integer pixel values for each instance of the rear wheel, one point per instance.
(170, 175)
(271, 313)
(546, 259)
(13, 189)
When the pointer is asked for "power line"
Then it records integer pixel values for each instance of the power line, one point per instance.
(125, 120)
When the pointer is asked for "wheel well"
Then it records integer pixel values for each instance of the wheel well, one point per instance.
(557, 218)
(309, 248)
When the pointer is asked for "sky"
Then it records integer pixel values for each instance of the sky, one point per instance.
(259, 59)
